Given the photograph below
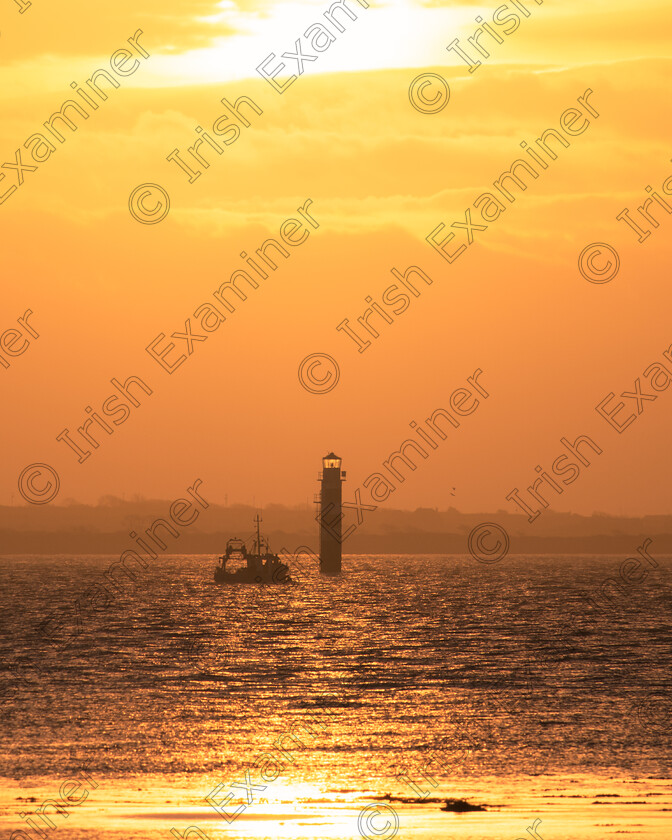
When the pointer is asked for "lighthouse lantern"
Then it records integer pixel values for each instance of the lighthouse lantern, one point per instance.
(331, 462)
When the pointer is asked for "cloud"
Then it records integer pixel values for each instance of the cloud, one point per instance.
(70, 28)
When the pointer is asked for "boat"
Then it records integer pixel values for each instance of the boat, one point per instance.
(261, 565)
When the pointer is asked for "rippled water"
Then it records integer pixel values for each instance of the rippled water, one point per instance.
(492, 678)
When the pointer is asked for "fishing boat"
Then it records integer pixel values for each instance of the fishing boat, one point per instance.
(261, 565)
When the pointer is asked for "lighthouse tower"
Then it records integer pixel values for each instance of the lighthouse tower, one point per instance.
(330, 515)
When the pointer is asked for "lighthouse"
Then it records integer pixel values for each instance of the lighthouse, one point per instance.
(330, 515)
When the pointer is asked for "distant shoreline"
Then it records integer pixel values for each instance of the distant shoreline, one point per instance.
(104, 545)
(105, 529)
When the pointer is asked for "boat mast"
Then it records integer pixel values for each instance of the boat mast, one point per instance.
(258, 520)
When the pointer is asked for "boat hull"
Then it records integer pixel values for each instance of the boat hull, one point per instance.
(279, 575)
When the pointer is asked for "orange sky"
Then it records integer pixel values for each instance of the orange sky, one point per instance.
(381, 176)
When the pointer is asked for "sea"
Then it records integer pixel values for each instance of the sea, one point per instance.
(530, 697)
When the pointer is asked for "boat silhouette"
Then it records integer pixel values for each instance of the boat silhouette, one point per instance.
(261, 564)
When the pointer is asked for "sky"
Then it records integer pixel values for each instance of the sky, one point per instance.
(354, 142)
